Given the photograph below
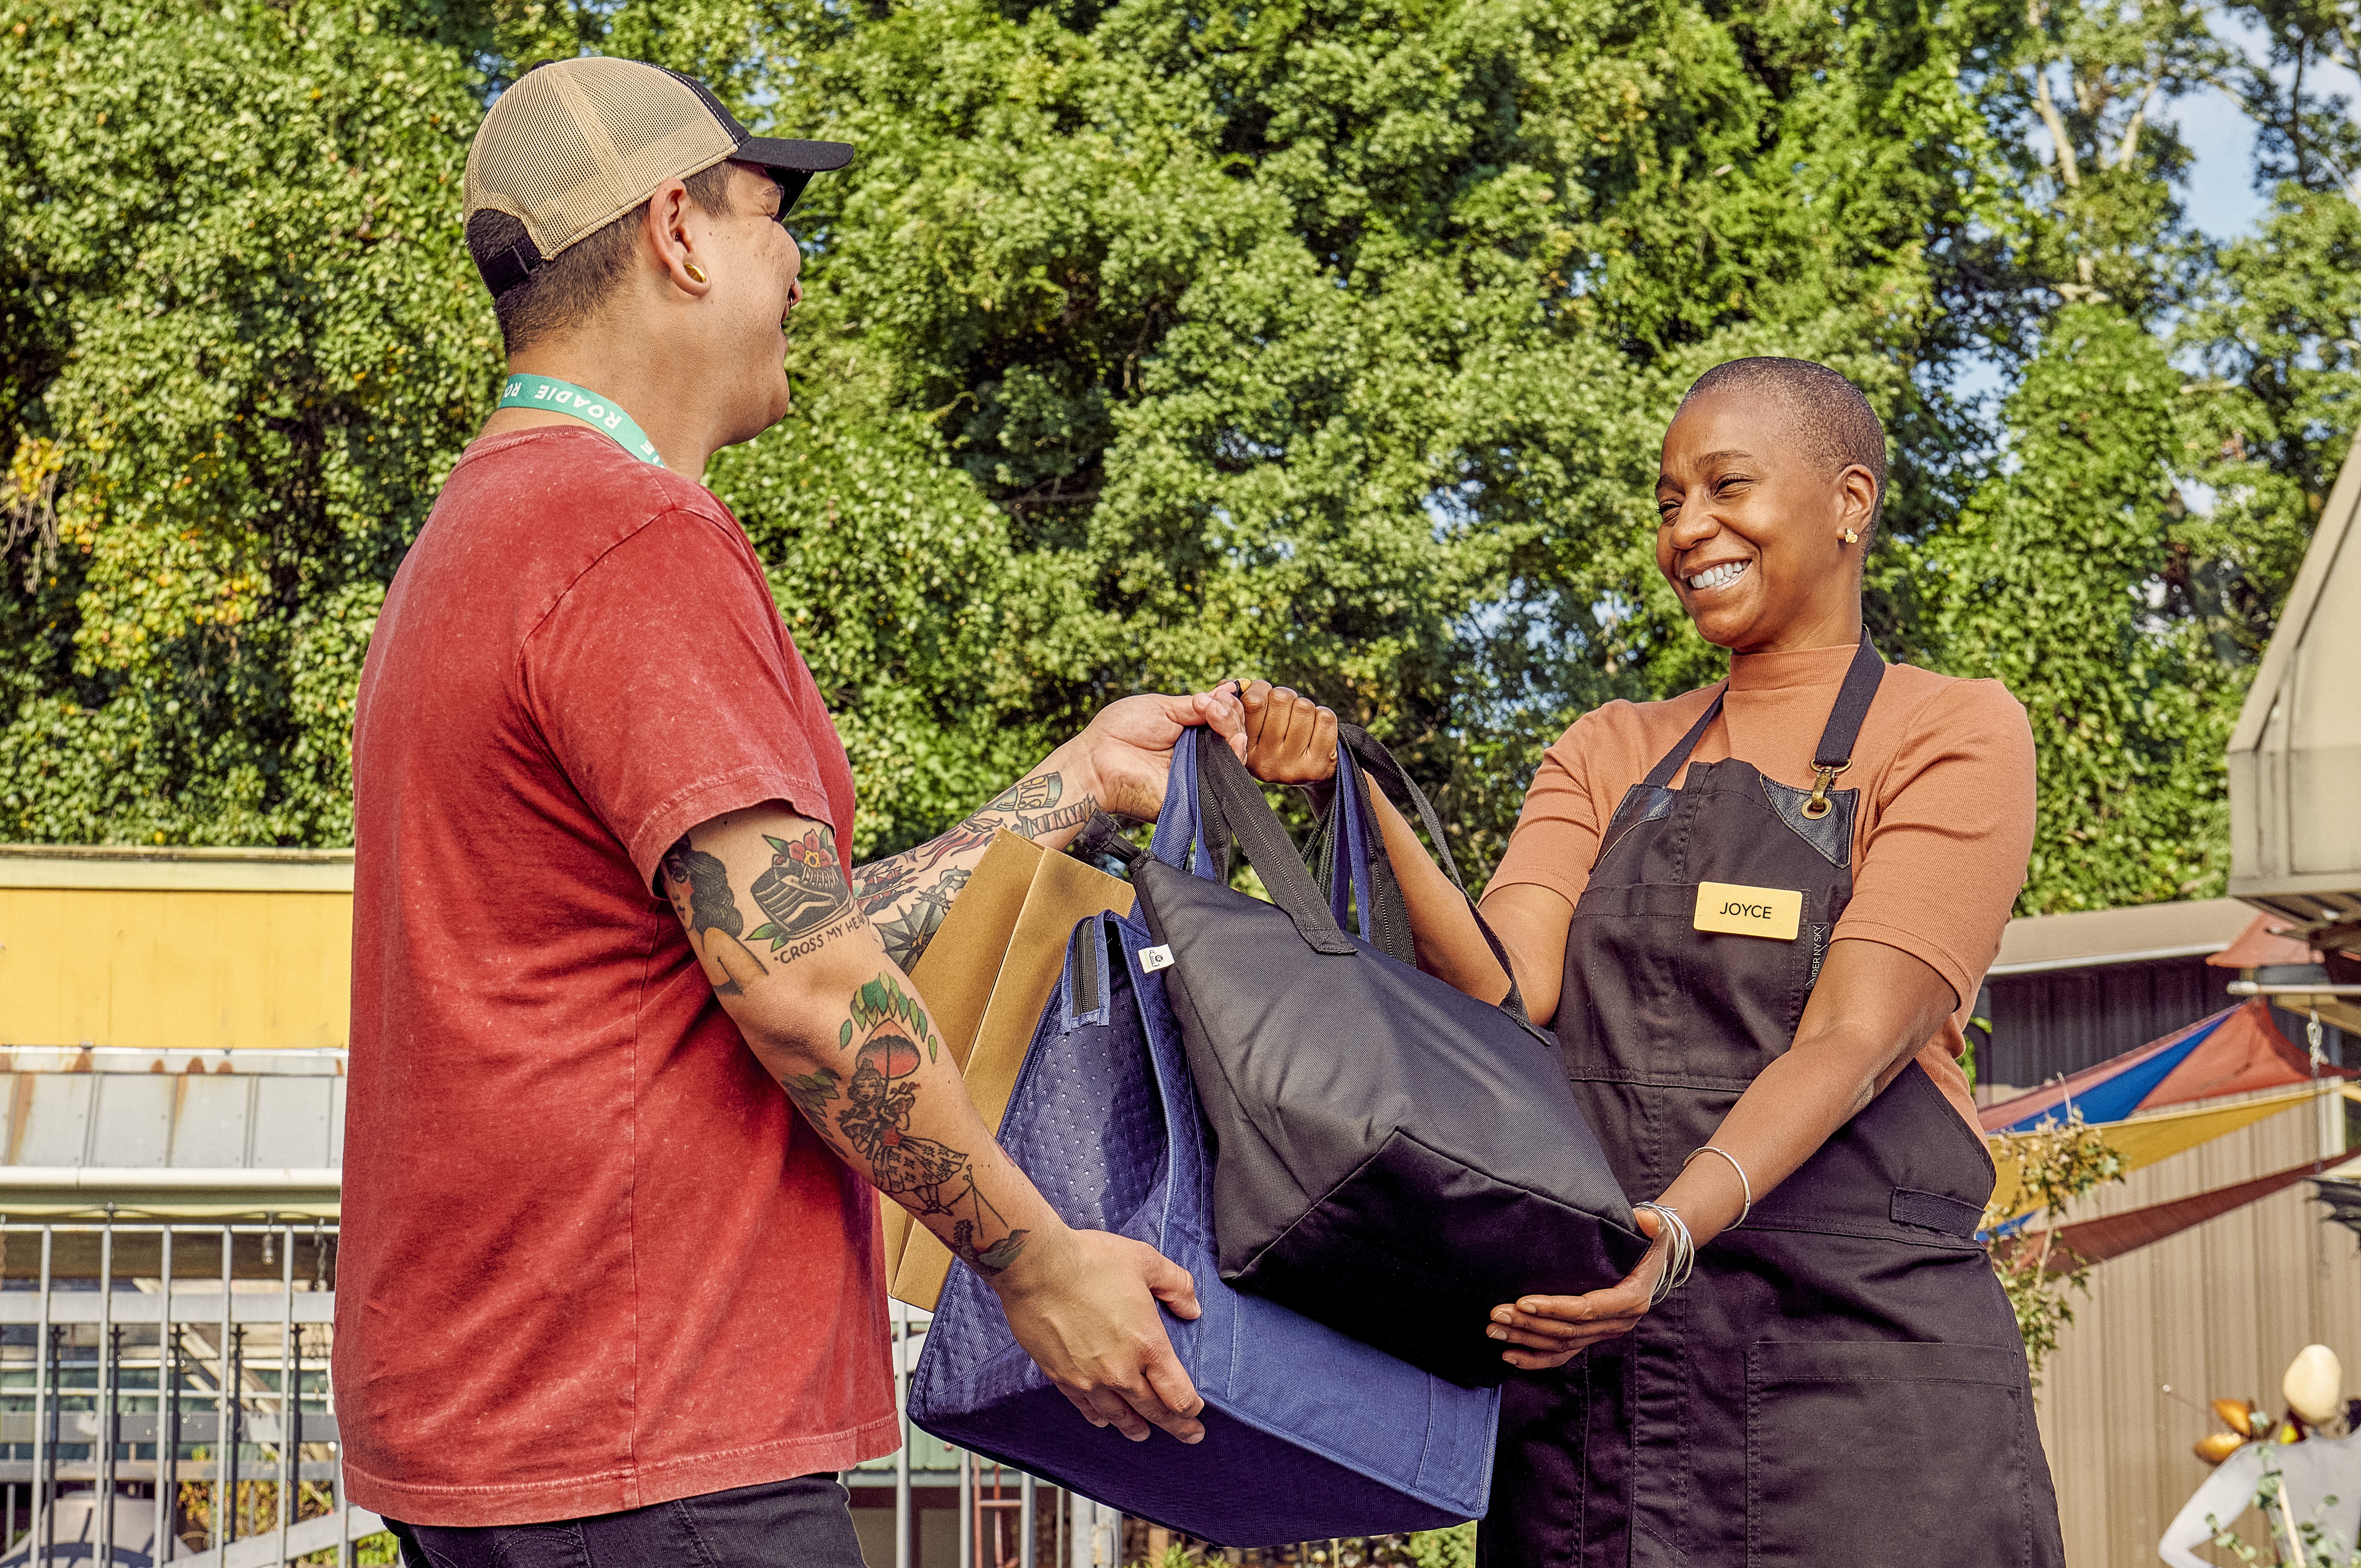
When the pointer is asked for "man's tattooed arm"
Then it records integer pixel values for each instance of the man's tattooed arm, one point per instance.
(858, 1057)
(796, 963)
(908, 895)
(925, 1176)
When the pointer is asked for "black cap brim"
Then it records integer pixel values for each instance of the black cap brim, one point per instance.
(798, 157)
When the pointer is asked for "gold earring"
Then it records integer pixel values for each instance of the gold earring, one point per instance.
(694, 270)
(1849, 537)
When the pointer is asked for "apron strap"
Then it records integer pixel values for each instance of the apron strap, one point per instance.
(1835, 753)
(1859, 689)
(1660, 776)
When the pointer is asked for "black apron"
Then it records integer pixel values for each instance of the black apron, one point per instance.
(1841, 1381)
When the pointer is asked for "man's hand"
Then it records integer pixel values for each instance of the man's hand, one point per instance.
(1082, 1304)
(1290, 739)
(1121, 759)
(1548, 1330)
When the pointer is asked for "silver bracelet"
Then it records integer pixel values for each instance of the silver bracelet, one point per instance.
(1682, 1260)
(1743, 1183)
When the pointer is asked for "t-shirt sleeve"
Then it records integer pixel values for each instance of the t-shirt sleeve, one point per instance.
(1556, 835)
(1942, 863)
(660, 682)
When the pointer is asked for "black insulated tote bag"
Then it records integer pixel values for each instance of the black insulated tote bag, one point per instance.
(1392, 1157)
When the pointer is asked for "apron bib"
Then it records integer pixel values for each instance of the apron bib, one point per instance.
(1841, 1380)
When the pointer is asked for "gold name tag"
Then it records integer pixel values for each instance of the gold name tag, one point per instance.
(1749, 911)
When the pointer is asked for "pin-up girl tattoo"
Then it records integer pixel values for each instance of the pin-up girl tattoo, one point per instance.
(698, 886)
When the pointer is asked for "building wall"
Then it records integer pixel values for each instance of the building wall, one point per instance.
(2216, 1311)
(2049, 1025)
(176, 955)
(2061, 1020)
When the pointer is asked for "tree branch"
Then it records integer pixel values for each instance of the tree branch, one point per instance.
(2066, 169)
(2131, 132)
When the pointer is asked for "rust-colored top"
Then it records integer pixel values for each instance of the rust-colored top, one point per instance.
(1946, 775)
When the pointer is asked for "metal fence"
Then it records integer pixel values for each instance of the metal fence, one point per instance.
(175, 1371)
(181, 1369)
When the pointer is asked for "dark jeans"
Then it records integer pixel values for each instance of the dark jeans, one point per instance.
(803, 1523)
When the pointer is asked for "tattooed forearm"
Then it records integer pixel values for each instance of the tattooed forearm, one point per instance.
(698, 886)
(804, 893)
(884, 1030)
(1038, 797)
(908, 895)
(907, 933)
(864, 1098)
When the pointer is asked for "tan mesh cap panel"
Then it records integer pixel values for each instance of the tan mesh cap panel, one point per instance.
(575, 145)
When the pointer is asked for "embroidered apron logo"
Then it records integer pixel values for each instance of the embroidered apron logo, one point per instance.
(1771, 912)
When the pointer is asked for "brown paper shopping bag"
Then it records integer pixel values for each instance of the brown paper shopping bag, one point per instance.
(1062, 891)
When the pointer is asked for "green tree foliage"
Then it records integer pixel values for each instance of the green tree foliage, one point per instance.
(1148, 345)
(240, 326)
(2181, 414)
(1332, 345)
(2129, 715)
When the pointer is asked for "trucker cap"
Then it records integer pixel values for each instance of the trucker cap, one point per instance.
(575, 144)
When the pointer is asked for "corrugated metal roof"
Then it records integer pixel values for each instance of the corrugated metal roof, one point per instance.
(207, 1134)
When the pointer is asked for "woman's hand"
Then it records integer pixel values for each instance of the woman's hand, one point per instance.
(1290, 739)
(1549, 1329)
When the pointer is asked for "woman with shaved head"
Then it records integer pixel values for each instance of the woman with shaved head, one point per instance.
(1760, 913)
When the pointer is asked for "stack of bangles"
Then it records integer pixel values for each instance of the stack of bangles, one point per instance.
(1682, 1259)
(1678, 1265)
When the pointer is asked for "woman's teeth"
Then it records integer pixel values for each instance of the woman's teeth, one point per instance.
(1719, 577)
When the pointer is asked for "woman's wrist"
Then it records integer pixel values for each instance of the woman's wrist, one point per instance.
(1709, 1196)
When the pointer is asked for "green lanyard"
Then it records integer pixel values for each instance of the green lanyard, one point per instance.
(549, 393)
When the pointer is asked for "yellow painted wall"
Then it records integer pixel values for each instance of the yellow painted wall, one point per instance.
(173, 953)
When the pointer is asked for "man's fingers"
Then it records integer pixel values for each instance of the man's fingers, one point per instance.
(1114, 1410)
(1081, 1399)
(1175, 1286)
(1222, 712)
(1170, 1398)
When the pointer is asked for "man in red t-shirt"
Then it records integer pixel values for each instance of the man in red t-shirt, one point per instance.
(605, 1292)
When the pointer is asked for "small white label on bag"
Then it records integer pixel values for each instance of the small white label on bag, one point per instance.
(1154, 959)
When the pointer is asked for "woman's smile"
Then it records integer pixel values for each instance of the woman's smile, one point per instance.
(1720, 575)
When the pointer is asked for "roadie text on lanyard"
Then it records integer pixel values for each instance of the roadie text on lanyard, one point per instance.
(581, 403)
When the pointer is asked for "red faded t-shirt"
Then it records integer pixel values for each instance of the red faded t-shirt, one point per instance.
(590, 1259)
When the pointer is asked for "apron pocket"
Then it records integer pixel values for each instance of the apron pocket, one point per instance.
(1880, 1453)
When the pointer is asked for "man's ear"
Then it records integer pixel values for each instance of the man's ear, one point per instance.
(667, 234)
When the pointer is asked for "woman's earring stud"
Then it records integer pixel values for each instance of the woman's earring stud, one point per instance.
(1849, 536)
(694, 270)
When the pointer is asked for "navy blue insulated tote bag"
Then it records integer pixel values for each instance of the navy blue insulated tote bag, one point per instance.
(1307, 1433)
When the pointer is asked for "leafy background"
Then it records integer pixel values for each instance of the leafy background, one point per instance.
(1328, 340)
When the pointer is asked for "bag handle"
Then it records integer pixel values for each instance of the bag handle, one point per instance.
(1210, 797)
(1233, 807)
(1180, 841)
(1396, 781)
(1348, 854)
(1348, 858)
